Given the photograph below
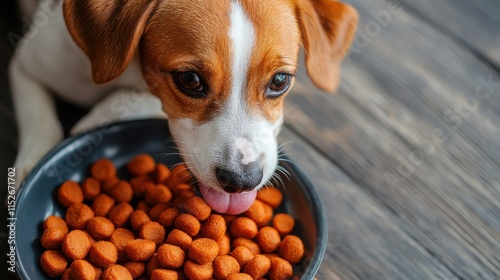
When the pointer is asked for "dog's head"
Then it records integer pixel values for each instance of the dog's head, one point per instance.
(222, 70)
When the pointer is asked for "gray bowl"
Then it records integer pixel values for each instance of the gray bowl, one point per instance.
(70, 160)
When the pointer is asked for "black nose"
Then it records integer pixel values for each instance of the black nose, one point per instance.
(234, 182)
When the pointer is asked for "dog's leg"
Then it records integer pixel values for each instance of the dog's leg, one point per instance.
(39, 128)
(121, 105)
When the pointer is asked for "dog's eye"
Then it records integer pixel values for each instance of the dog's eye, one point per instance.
(190, 83)
(279, 84)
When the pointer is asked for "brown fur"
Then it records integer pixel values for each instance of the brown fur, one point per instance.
(175, 35)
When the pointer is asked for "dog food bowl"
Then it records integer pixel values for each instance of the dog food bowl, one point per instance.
(71, 159)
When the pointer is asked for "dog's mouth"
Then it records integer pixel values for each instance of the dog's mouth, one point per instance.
(228, 203)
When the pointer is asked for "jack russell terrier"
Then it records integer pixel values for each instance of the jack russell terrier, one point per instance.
(219, 70)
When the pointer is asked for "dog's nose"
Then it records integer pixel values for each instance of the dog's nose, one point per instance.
(235, 182)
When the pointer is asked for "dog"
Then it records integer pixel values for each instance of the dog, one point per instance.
(218, 70)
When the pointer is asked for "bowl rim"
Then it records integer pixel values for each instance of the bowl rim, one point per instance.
(311, 192)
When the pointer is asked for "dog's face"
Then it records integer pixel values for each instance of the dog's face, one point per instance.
(221, 70)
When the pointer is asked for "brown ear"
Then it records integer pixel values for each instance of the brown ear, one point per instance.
(327, 29)
(108, 31)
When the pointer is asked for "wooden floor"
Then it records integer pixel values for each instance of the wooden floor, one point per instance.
(406, 155)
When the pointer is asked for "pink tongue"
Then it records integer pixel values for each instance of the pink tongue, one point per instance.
(223, 202)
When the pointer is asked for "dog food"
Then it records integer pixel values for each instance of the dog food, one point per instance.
(164, 274)
(115, 272)
(136, 269)
(81, 269)
(103, 169)
(103, 254)
(257, 267)
(225, 266)
(154, 226)
(100, 228)
(91, 188)
(171, 256)
(53, 263)
(69, 193)
(140, 249)
(76, 245)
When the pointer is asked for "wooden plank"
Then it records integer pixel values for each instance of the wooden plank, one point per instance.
(386, 129)
(365, 240)
(475, 23)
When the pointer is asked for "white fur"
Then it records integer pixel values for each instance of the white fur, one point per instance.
(234, 126)
(48, 61)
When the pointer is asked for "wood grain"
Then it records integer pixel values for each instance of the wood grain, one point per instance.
(365, 239)
(401, 129)
(475, 24)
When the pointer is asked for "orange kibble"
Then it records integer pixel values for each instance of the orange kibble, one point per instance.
(103, 169)
(102, 204)
(179, 175)
(171, 256)
(280, 269)
(76, 245)
(155, 212)
(214, 227)
(120, 214)
(268, 239)
(69, 193)
(142, 205)
(52, 238)
(136, 269)
(225, 266)
(141, 164)
(164, 274)
(78, 215)
(243, 255)
(179, 238)
(283, 223)
(121, 237)
(180, 188)
(291, 249)
(91, 188)
(103, 254)
(161, 173)
(152, 231)
(257, 267)
(140, 185)
(241, 241)
(197, 207)
(188, 223)
(260, 212)
(203, 250)
(140, 249)
(115, 272)
(224, 245)
(108, 184)
(197, 271)
(239, 276)
(156, 194)
(229, 218)
(66, 274)
(271, 196)
(82, 270)
(54, 222)
(100, 228)
(168, 216)
(181, 197)
(243, 227)
(153, 264)
(53, 263)
(137, 218)
(122, 192)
